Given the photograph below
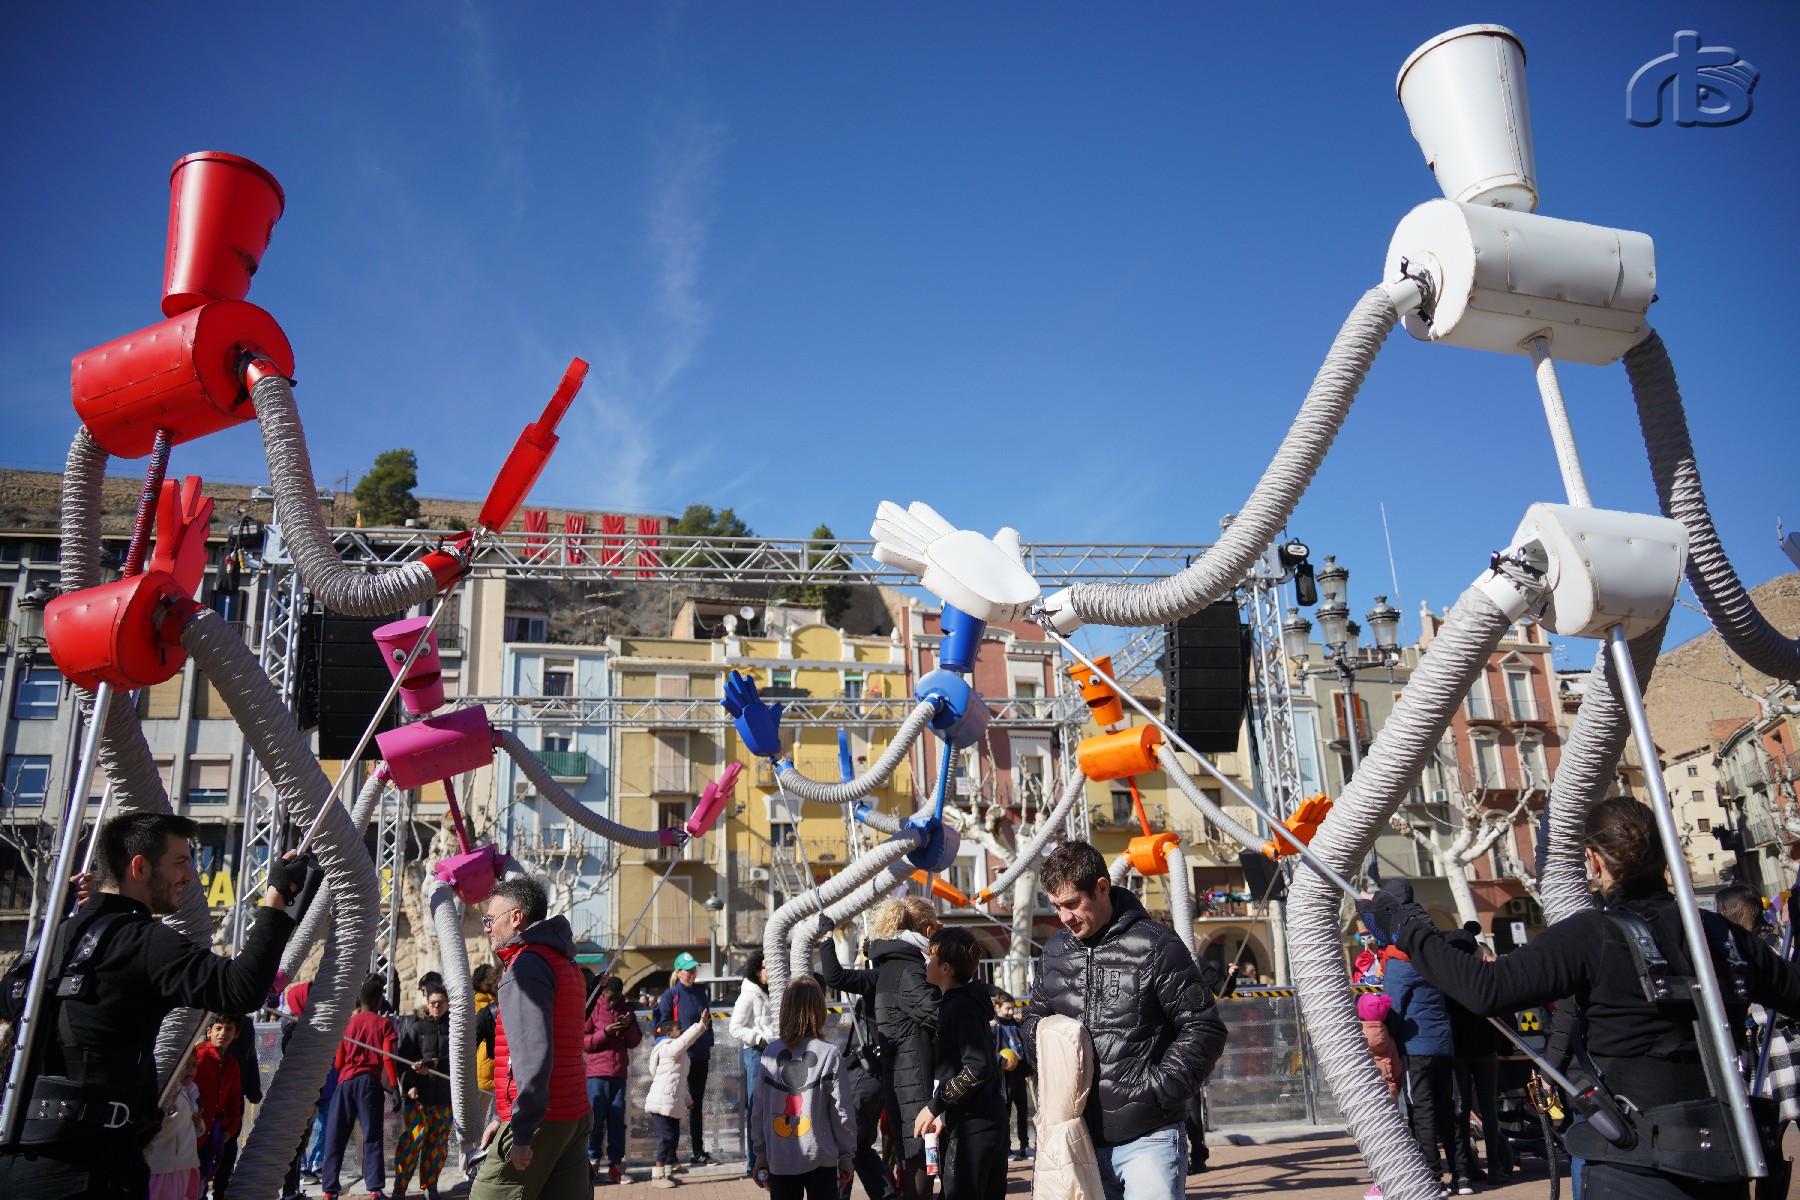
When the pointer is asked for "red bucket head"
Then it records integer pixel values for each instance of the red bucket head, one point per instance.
(423, 688)
(222, 212)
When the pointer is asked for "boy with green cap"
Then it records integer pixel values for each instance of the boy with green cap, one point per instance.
(683, 1003)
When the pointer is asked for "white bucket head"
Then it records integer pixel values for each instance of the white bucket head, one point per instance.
(1464, 94)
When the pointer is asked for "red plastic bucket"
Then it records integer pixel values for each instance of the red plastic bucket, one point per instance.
(222, 212)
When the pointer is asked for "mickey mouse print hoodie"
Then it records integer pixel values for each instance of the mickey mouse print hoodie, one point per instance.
(800, 1118)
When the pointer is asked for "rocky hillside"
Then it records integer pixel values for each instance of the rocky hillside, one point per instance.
(1692, 686)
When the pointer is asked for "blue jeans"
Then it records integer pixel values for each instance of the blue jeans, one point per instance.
(1153, 1167)
(752, 1060)
(606, 1095)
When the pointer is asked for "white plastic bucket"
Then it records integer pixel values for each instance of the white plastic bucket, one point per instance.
(1464, 94)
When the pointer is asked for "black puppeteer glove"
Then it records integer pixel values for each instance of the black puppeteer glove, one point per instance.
(288, 875)
(1388, 919)
(827, 926)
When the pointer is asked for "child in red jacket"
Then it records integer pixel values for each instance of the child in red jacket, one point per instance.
(221, 1106)
(359, 1099)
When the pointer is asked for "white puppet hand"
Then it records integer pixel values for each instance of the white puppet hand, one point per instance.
(985, 578)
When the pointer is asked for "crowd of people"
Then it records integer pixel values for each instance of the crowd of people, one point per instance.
(936, 1076)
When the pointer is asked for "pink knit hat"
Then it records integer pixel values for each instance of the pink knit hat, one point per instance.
(1373, 1006)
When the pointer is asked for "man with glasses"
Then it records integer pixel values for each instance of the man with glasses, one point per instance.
(540, 1072)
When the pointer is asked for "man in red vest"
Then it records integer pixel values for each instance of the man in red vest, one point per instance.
(539, 1142)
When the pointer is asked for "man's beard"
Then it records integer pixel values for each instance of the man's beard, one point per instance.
(165, 897)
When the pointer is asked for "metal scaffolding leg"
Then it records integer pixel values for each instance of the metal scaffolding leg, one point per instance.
(278, 649)
(390, 858)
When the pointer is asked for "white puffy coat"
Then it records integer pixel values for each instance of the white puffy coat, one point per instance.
(1066, 1168)
(754, 1020)
(668, 1094)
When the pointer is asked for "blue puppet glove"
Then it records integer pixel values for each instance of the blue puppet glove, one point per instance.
(757, 723)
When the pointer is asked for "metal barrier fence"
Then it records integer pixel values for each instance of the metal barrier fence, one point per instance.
(1267, 1074)
(1268, 1071)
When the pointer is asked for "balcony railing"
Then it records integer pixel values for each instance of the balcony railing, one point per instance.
(450, 636)
(675, 927)
(1496, 709)
(566, 764)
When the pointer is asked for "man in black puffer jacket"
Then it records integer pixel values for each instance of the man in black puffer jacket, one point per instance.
(1156, 1034)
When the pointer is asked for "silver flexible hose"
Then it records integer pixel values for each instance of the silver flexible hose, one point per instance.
(1181, 896)
(84, 478)
(569, 806)
(859, 872)
(1121, 870)
(1584, 775)
(1053, 826)
(806, 936)
(269, 730)
(453, 963)
(1393, 764)
(866, 783)
(881, 822)
(317, 916)
(1677, 474)
(1269, 506)
(1236, 830)
(340, 587)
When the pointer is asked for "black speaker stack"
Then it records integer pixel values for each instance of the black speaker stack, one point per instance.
(342, 681)
(1207, 678)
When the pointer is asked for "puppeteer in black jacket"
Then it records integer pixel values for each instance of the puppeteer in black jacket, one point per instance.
(426, 1042)
(1141, 996)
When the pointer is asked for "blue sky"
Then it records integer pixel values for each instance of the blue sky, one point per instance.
(1063, 266)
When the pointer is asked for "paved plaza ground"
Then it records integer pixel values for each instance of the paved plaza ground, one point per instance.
(1286, 1161)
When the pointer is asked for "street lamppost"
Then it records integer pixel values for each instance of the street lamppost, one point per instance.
(713, 905)
(30, 634)
(1341, 637)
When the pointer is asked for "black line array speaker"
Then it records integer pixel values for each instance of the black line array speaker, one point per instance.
(1207, 680)
(342, 681)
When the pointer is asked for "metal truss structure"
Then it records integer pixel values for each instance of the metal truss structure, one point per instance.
(696, 712)
(643, 556)
(1271, 697)
(787, 561)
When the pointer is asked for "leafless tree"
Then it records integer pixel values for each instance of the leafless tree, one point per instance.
(28, 836)
(1482, 814)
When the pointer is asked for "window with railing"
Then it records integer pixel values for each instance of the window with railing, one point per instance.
(1489, 773)
(1519, 696)
(559, 677)
(853, 685)
(670, 770)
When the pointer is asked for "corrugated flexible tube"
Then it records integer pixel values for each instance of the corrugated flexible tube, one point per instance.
(268, 727)
(1233, 828)
(1269, 506)
(1055, 826)
(569, 806)
(317, 916)
(811, 903)
(1181, 896)
(1584, 775)
(338, 586)
(453, 962)
(806, 934)
(1121, 871)
(1458, 654)
(1677, 473)
(866, 783)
